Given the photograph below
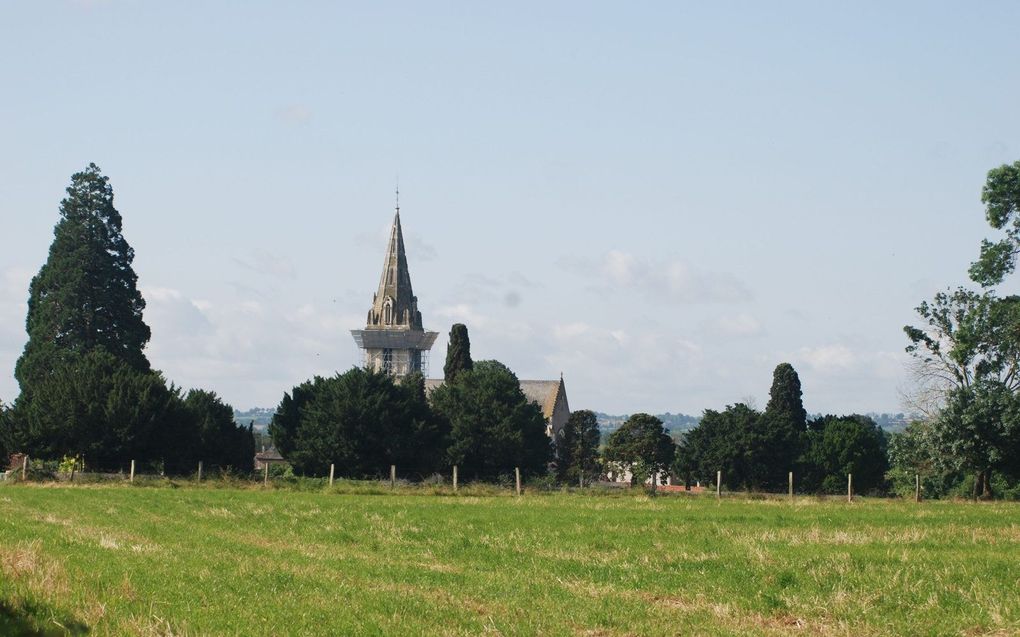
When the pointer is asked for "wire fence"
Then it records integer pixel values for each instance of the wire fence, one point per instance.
(278, 475)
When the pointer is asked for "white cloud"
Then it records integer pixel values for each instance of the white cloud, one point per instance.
(737, 325)
(676, 281)
(246, 350)
(829, 358)
(266, 263)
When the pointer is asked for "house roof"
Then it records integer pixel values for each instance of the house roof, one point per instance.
(270, 455)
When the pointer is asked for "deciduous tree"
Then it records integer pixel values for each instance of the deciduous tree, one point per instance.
(642, 445)
(1001, 196)
(577, 449)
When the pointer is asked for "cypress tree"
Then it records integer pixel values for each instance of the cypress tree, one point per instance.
(85, 296)
(458, 354)
(785, 397)
(774, 446)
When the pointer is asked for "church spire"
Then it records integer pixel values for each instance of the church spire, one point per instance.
(395, 305)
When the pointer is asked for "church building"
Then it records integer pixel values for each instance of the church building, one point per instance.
(395, 341)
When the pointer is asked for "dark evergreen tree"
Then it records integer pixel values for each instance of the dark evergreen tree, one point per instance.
(493, 426)
(774, 445)
(93, 404)
(785, 399)
(362, 422)
(722, 441)
(421, 449)
(221, 441)
(458, 353)
(577, 449)
(86, 386)
(85, 296)
(642, 445)
(841, 445)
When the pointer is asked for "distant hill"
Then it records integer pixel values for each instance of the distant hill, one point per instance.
(261, 416)
(676, 423)
(679, 423)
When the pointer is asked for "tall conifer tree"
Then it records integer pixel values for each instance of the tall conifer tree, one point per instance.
(85, 296)
(774, 446)
(458, 354)
(785, 397)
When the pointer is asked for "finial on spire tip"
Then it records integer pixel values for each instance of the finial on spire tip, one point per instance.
(398, 195)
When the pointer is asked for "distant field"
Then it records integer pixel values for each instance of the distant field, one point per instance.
(127, 560)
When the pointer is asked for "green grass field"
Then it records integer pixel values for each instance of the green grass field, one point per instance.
(126, 560)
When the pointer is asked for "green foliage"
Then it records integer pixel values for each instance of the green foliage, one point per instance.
(1001, 196)
(221, 442)
(785, 400)
(979, 432)
(458, 353)
(85, 296)
(774, 444)
(362, 422)
(968, 337)
(577, 449)
(493, 426)
(839, 445)
(93, 404)
(720, 442)
(913, 453)
(641, 444)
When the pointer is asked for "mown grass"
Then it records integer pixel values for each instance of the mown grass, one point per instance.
(125, 560)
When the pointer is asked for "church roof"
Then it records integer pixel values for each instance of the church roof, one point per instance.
(543, 392)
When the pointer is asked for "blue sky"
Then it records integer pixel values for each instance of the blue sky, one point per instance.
(662, 201)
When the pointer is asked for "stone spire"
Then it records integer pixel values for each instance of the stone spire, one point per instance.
(394, 305)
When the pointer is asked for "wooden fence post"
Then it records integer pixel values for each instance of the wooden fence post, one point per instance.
(331, 467)
(791, 485)
(132, 478)
(265, 478)
(917, 487)
(455, 478)
(24, 468)
(199, 470)
(718, 484)
(517, 474)
(393, 476)
(849, 487)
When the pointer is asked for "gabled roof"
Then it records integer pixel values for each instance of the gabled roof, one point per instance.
(543, 392)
